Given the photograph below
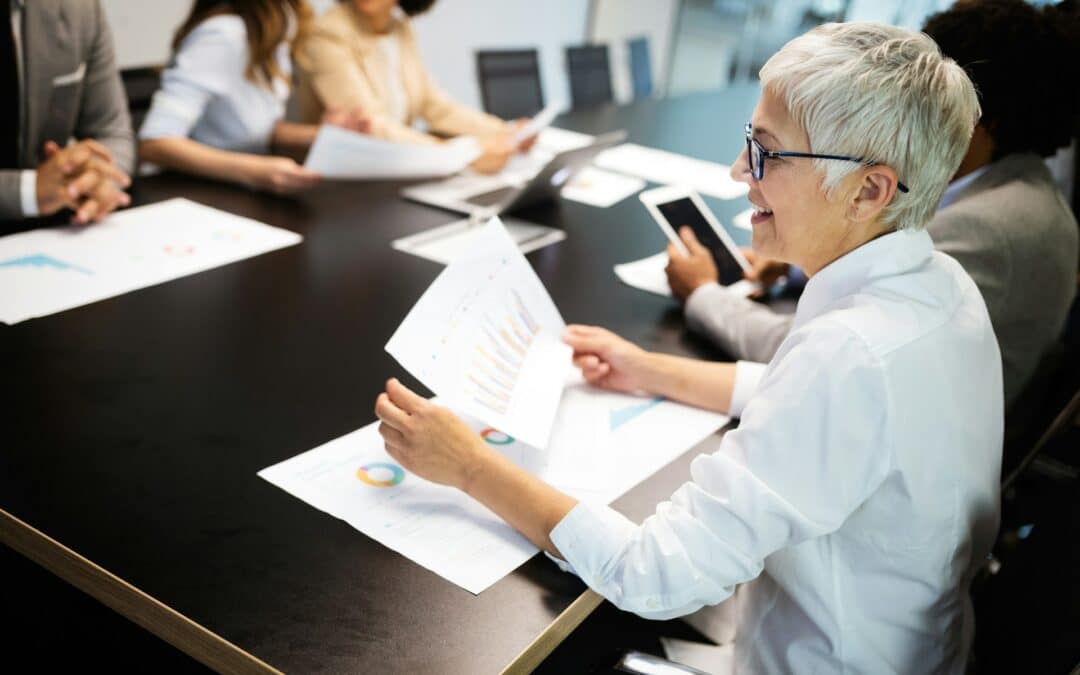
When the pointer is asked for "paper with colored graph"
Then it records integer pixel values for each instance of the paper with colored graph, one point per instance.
(54, 269)
(487, 338)
(601, 446)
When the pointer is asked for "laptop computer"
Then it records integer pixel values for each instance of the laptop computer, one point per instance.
(495, 195)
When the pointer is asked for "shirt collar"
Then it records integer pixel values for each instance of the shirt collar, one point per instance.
(958, 185)
(888, 255)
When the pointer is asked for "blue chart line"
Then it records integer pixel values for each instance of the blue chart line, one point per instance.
(623, 415)
(40, 260)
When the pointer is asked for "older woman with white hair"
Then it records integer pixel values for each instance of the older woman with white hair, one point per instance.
(859, 494)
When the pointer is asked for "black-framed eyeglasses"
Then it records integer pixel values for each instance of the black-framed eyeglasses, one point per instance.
(756, 156)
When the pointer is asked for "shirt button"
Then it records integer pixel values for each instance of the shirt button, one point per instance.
(651, 603)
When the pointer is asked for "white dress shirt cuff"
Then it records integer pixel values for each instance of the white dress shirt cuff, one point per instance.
(748, 375)
(28, 193)
(589, 538)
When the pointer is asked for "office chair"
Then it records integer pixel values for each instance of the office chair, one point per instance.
(140, 85)
(640, 67)
(590, 75)
(510, 82)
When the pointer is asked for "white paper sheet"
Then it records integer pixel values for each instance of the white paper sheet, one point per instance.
(54, 269)
(742, 219)
(669, 168)
(554, 140)
(342, 154)
(539, 122)
(443, 244)
(648, 274)
(487, 338)
(604, 444)
(600, 188)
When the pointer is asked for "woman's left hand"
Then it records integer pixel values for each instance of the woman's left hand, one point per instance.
(428, 440)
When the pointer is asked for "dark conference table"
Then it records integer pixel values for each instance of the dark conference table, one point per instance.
(134, 427)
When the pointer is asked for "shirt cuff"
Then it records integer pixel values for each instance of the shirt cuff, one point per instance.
(748, 375)
(589, 538)
(28, 193)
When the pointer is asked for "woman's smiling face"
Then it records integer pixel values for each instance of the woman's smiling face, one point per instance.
(793, 221)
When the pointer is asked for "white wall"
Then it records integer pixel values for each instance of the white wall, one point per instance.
(448, 35)
(453, 29)
(616, 21)
(143, 29)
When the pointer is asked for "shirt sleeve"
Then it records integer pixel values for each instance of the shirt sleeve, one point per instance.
(812, 446)
(743, 328)
(210, 60)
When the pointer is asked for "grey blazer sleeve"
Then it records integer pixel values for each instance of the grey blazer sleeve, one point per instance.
(979, 250)
(10, 201)
(745, 329)
(103, 111)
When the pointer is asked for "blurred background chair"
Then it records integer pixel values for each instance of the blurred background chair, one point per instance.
(590, 75)
(510, 82)
(640, 67)
(140, 85)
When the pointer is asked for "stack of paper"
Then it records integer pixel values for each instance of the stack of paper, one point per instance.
(343, 154)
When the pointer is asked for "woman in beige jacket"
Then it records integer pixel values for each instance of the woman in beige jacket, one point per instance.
(362, 54)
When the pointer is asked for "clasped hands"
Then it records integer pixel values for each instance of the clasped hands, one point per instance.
(82, 177)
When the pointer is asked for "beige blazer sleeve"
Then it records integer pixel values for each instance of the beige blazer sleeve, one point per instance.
(337, 69)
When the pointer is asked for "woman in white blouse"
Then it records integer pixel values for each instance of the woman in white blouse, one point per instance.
(859, 494)
(219, 112)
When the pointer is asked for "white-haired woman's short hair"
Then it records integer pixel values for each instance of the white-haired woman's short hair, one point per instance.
(884, 94)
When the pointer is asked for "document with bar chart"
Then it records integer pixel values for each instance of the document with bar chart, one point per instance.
(487, 339)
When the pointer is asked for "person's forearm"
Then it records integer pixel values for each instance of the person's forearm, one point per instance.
(528, 504)
(188, 156)
(698, 383)
(290, 137)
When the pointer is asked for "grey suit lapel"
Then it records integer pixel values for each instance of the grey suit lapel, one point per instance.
(47, 47)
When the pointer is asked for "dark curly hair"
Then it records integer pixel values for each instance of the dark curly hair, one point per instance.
(1025, 63)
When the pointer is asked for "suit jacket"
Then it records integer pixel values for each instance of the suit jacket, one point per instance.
(1012, 232)
(70, 88)
(339, 65)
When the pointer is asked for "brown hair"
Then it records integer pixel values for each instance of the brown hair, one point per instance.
(267, 25)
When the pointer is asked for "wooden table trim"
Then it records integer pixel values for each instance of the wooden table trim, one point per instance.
(557, 631)
(163, 621)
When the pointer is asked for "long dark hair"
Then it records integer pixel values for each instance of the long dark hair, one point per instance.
(267, 24)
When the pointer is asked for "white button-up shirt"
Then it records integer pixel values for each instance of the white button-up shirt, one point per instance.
(206, 95)
(859, 493)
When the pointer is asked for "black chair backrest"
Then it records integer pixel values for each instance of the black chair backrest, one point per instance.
(640, 67)
(140, 85)
(590, 75)
(510, 82)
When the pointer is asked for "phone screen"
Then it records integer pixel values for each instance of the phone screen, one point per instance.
(684, 212)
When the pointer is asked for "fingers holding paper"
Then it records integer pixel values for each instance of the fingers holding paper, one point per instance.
(607, 360)
(427, 439)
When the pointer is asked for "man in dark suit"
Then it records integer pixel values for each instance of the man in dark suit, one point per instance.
(65, 133)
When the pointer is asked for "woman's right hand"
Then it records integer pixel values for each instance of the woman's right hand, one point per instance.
(607, 360)
(764, 271)
(495, 153)
(280, 175)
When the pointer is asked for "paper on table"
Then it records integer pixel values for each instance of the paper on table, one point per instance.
(554, 140)
(660, 166)
(603, 444)
(742, 219)
(648, 274)
(342, 154)
(54, 269)
(443, 244)
(487, 338)
(597, 187)
(539, 122)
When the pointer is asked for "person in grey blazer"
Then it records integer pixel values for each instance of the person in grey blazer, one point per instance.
(65, 132)
(1002, 217)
